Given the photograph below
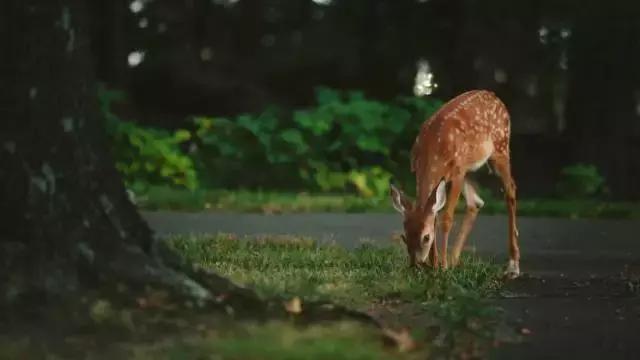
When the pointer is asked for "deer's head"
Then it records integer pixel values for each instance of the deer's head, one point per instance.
(419, 222)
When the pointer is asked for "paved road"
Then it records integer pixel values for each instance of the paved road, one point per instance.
(576, 296)
(541, 236)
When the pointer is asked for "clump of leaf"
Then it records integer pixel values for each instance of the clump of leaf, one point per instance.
(580, 181)
(345, 143)
(144, 155)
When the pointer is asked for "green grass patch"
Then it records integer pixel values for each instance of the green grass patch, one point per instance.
(293, 266)
(456, 301)
(166, 198)
(224, 339)
(279, 341)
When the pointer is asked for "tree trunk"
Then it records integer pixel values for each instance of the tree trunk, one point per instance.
(67, 224)
(66, 219)
(109, 35)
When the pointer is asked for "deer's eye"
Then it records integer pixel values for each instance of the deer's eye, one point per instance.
(425, 239)
(404, 238)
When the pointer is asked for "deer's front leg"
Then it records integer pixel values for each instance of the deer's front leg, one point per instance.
(447, 218)
(433, 255)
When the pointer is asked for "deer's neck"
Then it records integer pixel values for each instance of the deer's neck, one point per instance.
(427, 179)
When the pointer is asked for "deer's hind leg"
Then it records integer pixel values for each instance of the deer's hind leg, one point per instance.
(474, 203)
(501, 163)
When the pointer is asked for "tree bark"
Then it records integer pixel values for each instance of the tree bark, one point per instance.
(66, 219)
(109, 34)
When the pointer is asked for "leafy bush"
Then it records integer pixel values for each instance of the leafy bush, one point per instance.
(346, 142)
(146, 156)
(580, 181)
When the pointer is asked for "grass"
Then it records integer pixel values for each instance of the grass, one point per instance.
(447, 312)
(279, 340)
(165, 198)
(369, 278)
(292, 266)
(225, 339)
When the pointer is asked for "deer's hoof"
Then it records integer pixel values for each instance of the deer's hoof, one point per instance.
(513, 270)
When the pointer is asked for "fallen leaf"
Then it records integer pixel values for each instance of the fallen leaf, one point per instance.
(293, 306)
(402, 339)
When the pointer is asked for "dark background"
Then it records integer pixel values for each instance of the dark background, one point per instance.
(567, 70)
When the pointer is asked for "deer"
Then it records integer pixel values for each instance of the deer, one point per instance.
(463, 135)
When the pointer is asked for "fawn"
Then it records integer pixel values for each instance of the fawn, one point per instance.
(461, 136)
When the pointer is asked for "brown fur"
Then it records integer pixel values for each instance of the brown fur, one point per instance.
(467, 131)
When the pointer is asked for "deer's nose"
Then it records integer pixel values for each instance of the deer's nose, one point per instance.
(416, 262)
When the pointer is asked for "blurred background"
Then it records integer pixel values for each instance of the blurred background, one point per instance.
(326, 96)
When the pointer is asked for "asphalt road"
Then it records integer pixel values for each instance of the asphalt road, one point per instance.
(540, 236)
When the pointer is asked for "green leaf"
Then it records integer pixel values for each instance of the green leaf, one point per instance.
(182, 135)
(371, 143)
(326, 96)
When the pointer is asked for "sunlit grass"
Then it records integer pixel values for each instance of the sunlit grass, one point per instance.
(300, 267)
(165, 198)
(456, 300)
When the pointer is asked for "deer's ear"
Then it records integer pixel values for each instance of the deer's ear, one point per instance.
(399, 200)
(441, 197)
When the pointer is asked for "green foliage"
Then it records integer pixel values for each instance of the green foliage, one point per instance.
(346, 142)
(580, 181)
(146, 156)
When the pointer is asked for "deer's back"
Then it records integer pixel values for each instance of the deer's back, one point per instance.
(463, 133)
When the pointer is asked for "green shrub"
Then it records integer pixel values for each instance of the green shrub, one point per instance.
(146, 156)
(345, 143)
(580, 181)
